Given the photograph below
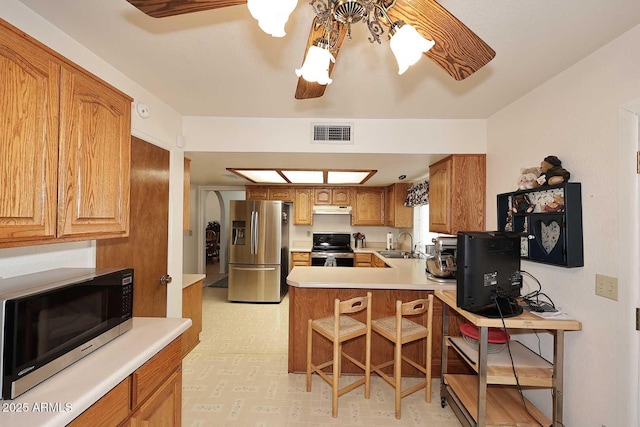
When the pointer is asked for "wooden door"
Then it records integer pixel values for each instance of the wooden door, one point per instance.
(29, 97)
(145, 250)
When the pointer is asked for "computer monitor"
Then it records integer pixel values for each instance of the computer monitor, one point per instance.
(488, 273)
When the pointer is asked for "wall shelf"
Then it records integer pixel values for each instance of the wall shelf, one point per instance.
(552, 229)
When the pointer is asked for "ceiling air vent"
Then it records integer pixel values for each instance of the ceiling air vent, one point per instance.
(332, 134)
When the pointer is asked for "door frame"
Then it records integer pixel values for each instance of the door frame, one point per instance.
(203, 192)
(628, 344)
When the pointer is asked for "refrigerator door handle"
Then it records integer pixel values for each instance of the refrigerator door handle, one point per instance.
(254, 268)
(256, 233)
(253, 232)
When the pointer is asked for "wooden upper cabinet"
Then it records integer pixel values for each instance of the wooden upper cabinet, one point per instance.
(396, 213)
(321, 196)
(95, 157)
(29, 79)
(302, 206)
(258, 192)
(283, 194)
(340, 196)
(254, 192)
(368, 207)
(457, 194)
(65, 145)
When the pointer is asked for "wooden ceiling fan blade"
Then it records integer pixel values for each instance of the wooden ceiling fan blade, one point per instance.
(164, 8)
(458, 50)
(305, 89)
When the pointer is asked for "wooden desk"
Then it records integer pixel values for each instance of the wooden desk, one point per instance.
(489, 397)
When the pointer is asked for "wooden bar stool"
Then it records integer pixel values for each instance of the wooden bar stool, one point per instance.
(399, 331)
(340, 328)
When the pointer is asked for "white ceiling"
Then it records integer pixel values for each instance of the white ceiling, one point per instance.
(219, 63)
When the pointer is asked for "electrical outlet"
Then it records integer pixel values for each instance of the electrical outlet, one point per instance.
(308, 233)
(607, 287)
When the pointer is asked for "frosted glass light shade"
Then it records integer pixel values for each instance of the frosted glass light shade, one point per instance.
(315, 68)
(272, 14)
(408, 46)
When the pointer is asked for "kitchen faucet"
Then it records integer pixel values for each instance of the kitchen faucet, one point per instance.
(410, 236)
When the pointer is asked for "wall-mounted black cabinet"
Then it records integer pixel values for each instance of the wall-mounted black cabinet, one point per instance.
(549, 219)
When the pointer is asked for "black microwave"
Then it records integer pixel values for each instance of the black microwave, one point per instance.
(53, 318)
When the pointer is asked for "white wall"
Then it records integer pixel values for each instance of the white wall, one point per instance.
(370, 136)
(160, 129)
(190, 242)
(576, 116)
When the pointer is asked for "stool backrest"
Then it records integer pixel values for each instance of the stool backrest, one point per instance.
(418, 306)
(353, 305)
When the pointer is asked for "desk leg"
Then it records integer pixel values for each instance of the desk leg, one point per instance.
(482, 376)
(444, 352)
(558, 373)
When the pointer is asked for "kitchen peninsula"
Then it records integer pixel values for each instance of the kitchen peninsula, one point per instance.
(312, 291)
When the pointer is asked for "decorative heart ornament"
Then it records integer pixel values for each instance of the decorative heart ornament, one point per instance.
(550, 234)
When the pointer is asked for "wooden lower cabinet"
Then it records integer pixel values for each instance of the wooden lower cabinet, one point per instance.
(368, 260)
(302, 259)
(164, 407)
(151, 396)
(111, 410)
(378, 262)
(192, 309)
(362, 260)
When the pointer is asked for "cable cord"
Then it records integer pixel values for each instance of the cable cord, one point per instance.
(535, 295)
(513, 367)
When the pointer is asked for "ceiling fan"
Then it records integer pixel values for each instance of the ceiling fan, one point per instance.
(452, 45)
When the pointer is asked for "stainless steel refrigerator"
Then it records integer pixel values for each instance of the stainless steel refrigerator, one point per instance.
(258, 250)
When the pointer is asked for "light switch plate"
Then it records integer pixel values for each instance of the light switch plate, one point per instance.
(607, 287)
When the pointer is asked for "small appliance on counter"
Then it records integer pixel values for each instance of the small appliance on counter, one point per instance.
(441, 265)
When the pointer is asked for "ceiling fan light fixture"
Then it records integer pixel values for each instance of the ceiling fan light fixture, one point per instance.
(407, 45)
(272, 15)
(315, 68)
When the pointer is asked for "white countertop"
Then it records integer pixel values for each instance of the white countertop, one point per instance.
(402, 274)
(190, 279)
(82, 384)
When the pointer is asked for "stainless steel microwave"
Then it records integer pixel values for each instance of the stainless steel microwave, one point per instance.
(53, 318)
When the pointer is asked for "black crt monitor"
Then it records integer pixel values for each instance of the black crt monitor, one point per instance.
(488, 273)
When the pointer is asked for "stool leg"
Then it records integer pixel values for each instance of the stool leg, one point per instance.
(367, 366)
(397, 370)
(428, 368)
(309, 342)
(336, 377)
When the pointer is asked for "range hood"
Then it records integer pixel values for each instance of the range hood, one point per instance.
(331, 210)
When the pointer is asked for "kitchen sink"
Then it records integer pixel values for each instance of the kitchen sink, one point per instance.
(395, 254)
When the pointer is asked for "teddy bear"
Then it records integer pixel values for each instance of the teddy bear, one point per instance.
(557, 205)
(552, 172)
(528, 178)
(522, 204)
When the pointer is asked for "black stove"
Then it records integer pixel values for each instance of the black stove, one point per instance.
(332, 245)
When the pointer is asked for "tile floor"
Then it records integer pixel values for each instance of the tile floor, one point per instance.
(237, 376)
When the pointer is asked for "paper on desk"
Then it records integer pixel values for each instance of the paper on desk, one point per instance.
(553, 315)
